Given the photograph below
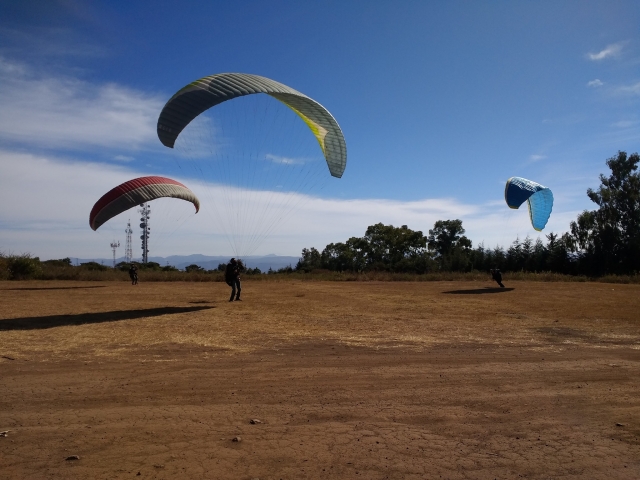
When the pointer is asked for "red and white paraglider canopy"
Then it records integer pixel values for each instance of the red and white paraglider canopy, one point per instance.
(137, 191)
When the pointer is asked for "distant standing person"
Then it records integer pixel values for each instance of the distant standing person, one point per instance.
(497, 276)
(232, 277)
(133, 273)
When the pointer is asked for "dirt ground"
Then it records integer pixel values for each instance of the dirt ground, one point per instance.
(454, 380)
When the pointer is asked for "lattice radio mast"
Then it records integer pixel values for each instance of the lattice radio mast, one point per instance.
(128, 250)
(145, 211)
(114, 246)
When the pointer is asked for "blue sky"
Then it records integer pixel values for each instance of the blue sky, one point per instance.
(440, 103)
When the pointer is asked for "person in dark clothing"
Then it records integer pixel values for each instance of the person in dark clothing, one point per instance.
(232, 277)
(133, 274)
(497, 276)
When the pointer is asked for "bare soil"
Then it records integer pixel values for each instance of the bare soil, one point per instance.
(349, 380)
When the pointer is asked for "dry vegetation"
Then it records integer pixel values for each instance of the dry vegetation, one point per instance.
(350, 379)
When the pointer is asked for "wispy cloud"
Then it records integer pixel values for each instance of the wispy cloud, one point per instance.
(11, 68)
(63, 112)
(595, 83)
(537, 158)
(625, 124)
(123, 158)
(632, 90)
(284, 160)
(47, 42)
(613, 50)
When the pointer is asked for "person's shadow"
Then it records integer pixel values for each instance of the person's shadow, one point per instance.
(479, 291)
(51, 321)
(54, 288)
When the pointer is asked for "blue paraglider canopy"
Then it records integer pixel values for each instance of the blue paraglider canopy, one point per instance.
(539, 199)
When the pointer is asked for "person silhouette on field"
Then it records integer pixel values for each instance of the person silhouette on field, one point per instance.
(232, 277)
(133, 274)
(497, 276)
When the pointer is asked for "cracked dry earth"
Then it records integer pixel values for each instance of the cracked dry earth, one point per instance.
(353, 380)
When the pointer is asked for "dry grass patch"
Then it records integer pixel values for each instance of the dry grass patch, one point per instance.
(68, 319)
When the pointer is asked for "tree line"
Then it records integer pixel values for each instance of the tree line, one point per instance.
(599, 242)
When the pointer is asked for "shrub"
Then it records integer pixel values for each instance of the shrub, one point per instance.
(23, 267)
(93, 266)
(193, 268)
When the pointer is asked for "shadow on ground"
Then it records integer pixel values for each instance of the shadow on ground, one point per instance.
(54, 288)
(51, 321)
(478, 291)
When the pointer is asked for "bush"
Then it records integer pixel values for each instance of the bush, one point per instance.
(155, 266)
(193, 268)
(23, 267)
(5, 274)
(93, 266)
(63, 262)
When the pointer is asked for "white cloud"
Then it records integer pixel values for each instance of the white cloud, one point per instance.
(123, 158)
(595, 83)
(46, 42)
(10, 68)
(51, 200)
(612, 50)
(537, 158)
(68, 113)
(625, 124)
(284, 160)
(633, 89)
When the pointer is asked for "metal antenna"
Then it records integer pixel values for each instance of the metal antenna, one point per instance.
(128, 250)
(145, 211)
(115, 244)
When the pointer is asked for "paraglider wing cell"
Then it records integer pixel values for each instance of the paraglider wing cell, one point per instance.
(539, 199)
(210, 91)
(135, 192)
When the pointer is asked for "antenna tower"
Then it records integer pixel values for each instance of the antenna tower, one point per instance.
(114, 245)
(145, 211)
(128, 250)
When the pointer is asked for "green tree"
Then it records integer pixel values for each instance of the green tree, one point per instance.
(558, 251)
(155, 266)
(193, 268)
(451, 247)
(388, 247)
(94, 266)
(337, 257)
(61, 262)
(538, 261)
(23, 267)
(310, 260)
(608, 239)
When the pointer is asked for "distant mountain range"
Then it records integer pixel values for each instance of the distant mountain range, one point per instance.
(207, 262)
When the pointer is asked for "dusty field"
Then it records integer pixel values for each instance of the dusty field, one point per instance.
(349, 380)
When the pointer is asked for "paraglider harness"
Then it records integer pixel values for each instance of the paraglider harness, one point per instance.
(231, 273)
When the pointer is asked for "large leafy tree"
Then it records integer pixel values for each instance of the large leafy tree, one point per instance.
(387, 245)
(338, 257)
(451, 247)
(609, 238)
(310, 260)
